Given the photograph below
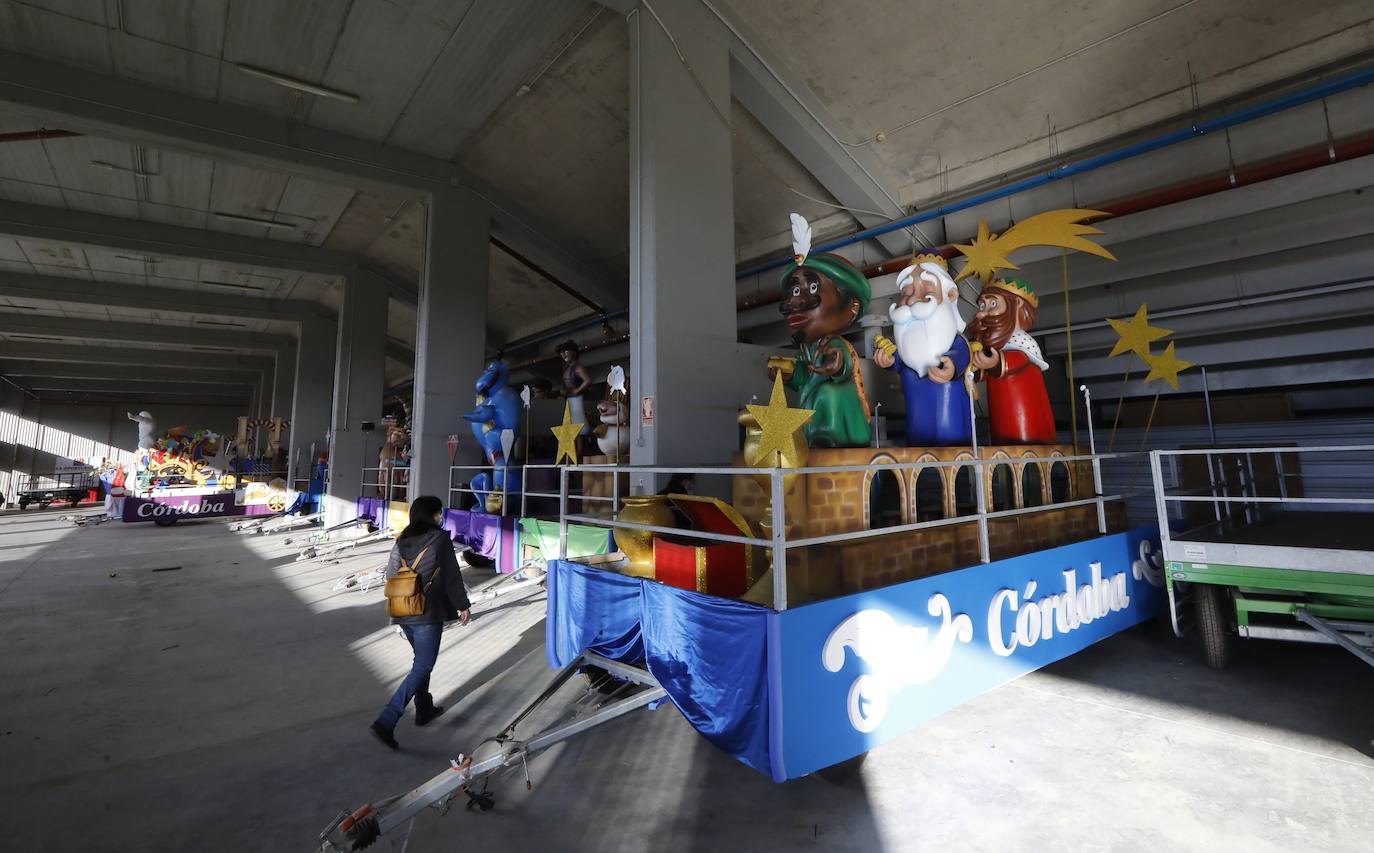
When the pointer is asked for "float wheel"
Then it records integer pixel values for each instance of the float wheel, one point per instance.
(1214, 624)
(164, 520)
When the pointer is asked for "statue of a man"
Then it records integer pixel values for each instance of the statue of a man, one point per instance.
(930, 354)
(1009, 359)
(576, 381)
(146, 428)
(822, 296)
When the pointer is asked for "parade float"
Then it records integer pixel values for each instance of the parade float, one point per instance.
(845, 593)
(182, 473)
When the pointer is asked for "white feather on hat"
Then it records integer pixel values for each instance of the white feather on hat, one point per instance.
(801, 237)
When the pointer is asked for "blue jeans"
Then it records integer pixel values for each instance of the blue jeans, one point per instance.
(424, 640)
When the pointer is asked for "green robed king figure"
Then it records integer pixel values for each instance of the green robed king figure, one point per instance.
(822, 296)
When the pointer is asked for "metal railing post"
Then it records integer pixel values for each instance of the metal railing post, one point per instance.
(1283, 478)
(980, 482)
(1161, 505)
(779, 512)
(524, 490)
(562, 513)
(615, 492)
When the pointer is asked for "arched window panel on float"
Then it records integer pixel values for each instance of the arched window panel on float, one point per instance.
(1003, 488)
(928, 501)
(885, 496)
(1032, 485)
(1061, 484)
(963, 498)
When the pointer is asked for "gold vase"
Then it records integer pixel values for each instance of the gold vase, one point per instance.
(638, 545)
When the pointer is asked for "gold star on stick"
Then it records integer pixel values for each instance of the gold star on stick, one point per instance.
(567, 433)
(779, 425)
(1136, 334)
(1166, 366)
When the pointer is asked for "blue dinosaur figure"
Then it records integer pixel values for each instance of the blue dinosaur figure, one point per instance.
(498, 409)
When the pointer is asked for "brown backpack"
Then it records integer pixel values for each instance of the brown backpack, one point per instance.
(404, 595)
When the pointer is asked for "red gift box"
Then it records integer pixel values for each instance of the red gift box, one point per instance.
(715, 568)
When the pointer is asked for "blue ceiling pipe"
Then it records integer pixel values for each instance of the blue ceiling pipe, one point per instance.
(1267, 108)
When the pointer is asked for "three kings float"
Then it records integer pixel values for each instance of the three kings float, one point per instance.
(845, 593)
(904, 580)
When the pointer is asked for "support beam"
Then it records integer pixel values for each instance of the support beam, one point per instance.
(169, 372)
(1310, 372)
(283, 383)
(359, 378)
(154, 238)
(313, 394)
(101, 330)
(451, 336)
(682, 291)
(134, 386)
(174, 300)
(122, 109)
(787, 108)
(46, 352)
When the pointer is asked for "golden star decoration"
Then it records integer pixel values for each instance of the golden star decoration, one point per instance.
(1166, 366)
(567, 433)
(779, 425)
(1136, 334)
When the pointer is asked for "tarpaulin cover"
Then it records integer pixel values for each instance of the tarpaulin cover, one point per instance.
(710, 654)
(582, 541)
(492, 536)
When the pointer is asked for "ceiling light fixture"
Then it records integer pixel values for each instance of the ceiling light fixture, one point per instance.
(253, 220)
(231, 284)
(111, 167)
(296, 83)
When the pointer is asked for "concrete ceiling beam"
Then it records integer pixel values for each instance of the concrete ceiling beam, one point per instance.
(122, 109)
(69, 329)
(140, 356)
(170, 371)
(161, 299)
(797, 119)
(40, 384)
(1308, 372)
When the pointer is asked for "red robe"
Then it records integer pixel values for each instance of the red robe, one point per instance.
(1018, 404)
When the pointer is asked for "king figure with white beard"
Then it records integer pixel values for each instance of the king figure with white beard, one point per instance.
(930, 354)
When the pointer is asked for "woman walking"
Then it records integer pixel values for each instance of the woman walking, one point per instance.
(426, 549)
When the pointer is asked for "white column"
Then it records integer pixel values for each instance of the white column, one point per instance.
(359, 375)
(313, 394)
(682, 240)
(450, 337)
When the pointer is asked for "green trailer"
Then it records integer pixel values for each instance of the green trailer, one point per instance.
(1270, 561)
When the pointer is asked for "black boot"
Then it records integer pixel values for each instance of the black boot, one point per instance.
(385, 735)
(424, 718)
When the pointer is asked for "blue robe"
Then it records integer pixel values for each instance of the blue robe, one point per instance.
(938, 413)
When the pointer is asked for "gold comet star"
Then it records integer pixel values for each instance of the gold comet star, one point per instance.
(1136, 334)
(778, 424)
(567, 433)
(1166, 366)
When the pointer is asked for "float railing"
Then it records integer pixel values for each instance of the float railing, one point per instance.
(465, 488)
(780, 544)
(387, 484)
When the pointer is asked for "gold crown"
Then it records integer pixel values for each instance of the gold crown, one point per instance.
(1018, 287)
(930, 257)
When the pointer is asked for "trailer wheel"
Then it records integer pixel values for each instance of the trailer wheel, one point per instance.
(164, 520)
(844, 772)
(1214, 624)
(23, 504)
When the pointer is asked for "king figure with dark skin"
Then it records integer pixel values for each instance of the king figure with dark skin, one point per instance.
(822, 297)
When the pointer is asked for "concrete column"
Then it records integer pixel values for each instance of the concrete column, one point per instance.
(313, 394)
(283, 385)
(359, 379)
(451, 337)
(682, 240)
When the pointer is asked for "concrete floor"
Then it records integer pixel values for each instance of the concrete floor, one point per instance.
(224, 705)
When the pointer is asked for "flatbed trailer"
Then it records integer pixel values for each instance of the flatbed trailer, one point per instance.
(1272, 563)
(64, 488)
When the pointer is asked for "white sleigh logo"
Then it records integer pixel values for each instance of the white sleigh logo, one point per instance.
(897, 655)
(1150, 565)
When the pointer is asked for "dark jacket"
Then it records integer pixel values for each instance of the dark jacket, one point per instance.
(447, 595)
